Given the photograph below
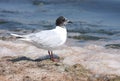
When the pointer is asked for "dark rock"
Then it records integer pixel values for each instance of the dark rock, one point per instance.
(86, 37)
(114, 46)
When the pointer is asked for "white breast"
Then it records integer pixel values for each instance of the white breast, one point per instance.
(61, 31)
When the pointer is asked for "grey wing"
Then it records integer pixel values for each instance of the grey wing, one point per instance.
(45, 38)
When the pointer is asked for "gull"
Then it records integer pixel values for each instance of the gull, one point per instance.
(48, 39)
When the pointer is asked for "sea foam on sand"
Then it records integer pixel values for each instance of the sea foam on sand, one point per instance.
(94, 57)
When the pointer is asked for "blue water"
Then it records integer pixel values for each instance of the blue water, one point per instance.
(98, 18)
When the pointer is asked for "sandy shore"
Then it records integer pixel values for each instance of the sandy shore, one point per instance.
(24, 62)
(46, 70)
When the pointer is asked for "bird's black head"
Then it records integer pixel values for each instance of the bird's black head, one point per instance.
(61, 21)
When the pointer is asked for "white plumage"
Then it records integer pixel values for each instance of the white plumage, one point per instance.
(48, 39)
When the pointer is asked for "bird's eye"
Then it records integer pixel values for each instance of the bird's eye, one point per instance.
(63, 20)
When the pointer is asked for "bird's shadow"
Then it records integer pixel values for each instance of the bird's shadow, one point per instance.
(23, 58)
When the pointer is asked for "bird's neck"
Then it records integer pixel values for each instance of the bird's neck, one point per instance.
(61, 27)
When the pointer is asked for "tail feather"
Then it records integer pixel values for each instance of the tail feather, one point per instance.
(20, 37)
(17, 36)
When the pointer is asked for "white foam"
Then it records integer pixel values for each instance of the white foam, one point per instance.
(96, 58)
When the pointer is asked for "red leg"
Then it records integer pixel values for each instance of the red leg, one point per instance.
(52, 57)
(49, 53)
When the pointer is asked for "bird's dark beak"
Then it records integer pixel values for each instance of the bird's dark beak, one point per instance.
(70, 22)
